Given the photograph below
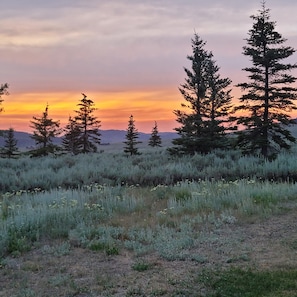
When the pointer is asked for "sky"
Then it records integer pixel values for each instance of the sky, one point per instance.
(125, 55)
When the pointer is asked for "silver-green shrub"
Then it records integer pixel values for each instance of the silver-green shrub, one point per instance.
(151, 168)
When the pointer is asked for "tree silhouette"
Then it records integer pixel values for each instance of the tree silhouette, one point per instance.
(155, 138)
(46, 129)
(70, 141)
(269, 96)
(207, 106)
(131, 138)
(3, 91)
(88, 125)
(10, 145)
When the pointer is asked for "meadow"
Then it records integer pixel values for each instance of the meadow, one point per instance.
(106, 224)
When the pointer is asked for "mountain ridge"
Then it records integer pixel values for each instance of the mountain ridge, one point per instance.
(111, 136)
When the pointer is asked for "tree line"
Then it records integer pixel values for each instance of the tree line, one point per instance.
(207, 120)
(81, 134)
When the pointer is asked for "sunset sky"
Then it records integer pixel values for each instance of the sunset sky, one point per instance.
(126, 55)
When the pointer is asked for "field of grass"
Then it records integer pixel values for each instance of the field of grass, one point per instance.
(150, 225)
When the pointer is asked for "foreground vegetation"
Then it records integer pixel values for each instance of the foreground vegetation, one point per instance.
(179, 219)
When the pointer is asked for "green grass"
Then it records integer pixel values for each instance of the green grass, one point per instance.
(141, 266)
(237, 282)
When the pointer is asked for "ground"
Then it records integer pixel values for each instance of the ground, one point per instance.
(261, 244)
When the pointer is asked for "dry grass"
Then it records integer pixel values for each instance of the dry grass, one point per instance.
(262, 244)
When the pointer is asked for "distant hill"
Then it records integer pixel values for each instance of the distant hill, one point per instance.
(107, 137)
(23, 138)
(116, 136)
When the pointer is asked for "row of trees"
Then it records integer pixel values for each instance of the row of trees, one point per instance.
(208, 116)
(81, 134)
(264, 109)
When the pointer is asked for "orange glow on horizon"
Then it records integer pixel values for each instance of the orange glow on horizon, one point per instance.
(114, 109)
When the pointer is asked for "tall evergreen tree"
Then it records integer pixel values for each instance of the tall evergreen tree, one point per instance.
(217, 119)
(269, 97)
(3, 91)
(10, 146)
(89, 125)
(155, 138)
(70, 141)
(46, 129)
(131, 138)
(207, 104)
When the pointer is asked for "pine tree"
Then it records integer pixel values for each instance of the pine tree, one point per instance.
(3, 91)
(131, 138)
(70, 141)
(269, 97)
(217, 119)
(10, 146)
(207, 104)
(155, 138)
(46, 129)
(89, 126)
